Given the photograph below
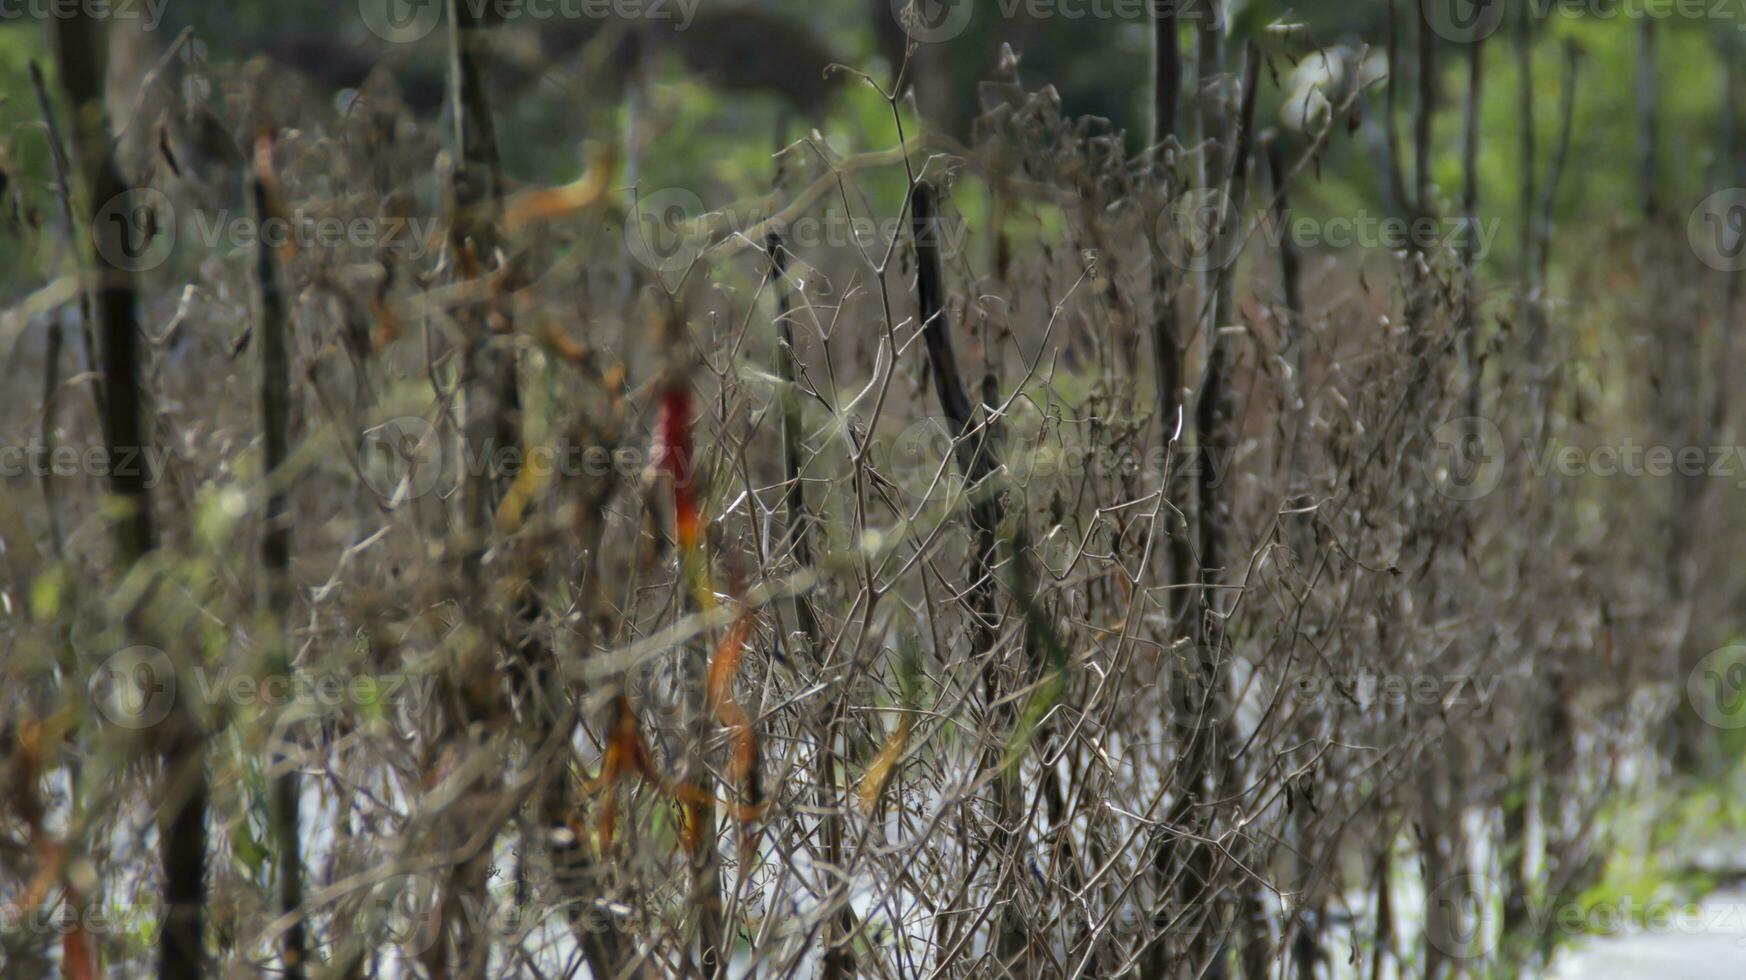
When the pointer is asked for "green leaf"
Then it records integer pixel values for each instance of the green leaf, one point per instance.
(45, 594)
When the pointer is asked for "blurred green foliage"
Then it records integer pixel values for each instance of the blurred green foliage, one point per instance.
(722, 141)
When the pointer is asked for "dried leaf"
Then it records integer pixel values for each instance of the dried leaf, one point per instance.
(548, 203)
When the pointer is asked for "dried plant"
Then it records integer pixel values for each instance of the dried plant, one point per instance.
(563, 584)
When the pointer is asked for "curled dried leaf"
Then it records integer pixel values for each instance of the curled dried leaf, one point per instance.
(548, 203)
